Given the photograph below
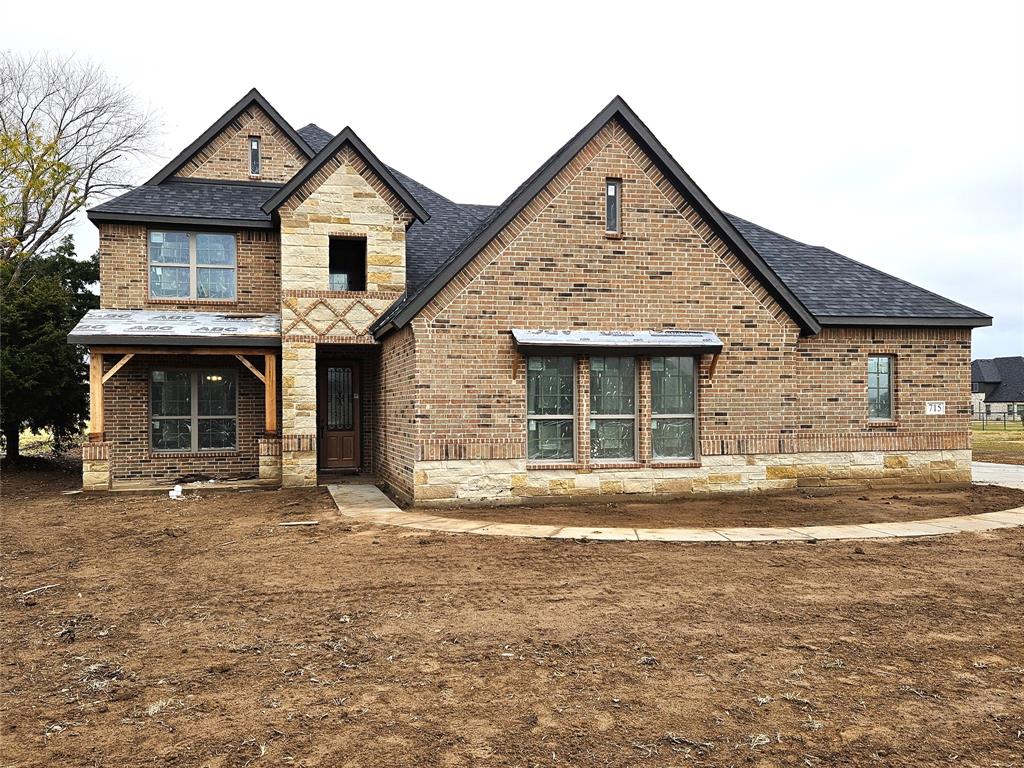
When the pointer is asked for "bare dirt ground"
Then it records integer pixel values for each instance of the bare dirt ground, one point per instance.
(200, 633)
(780, 509)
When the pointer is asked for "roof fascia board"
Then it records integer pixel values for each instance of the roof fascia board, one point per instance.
(616, 108)
(191, 221)
(980, 321)
(347, 136)
(252, 96)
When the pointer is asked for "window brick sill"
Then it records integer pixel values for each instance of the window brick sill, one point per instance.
(196, 302)
(883, 424)
(613, 235)
(191, 454)
(675, 464)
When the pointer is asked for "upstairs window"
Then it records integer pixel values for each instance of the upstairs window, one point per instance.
(612, 408)
(880, 387)
(254, 155)
(192, 266)
(347, 271)
(612, 205)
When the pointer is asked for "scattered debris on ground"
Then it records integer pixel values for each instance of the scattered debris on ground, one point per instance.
(202, 633)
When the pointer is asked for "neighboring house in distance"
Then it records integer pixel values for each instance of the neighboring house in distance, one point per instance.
(279, 303)
(997, 387)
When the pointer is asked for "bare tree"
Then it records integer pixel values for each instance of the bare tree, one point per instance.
(68, 134)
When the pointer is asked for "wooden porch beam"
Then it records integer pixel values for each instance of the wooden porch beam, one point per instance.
(117, 366)
(172, 351)
(95, 395)
(252, 368)
(270, 393)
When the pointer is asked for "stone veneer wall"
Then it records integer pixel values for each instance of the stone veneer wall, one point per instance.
(440, 483)
(124, 272)
(344, 199)
(226, 155)
(298, 414)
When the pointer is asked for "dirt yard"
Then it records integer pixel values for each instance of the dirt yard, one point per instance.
(780, 509)
(201, 633)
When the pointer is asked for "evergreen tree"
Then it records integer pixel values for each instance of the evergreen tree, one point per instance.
(43, 379)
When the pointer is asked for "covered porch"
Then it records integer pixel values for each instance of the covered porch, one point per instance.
(179, 397)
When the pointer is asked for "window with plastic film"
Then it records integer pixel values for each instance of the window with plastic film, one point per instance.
(673, 408)
(193, 266)
(880, 387)
(550, 408)
(612, 408)
(193, 410)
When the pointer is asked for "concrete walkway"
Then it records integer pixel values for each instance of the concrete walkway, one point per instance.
(1007, 475)
(366, 503)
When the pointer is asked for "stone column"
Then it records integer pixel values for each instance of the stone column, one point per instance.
(96, 466)
(270, 459)
(298, 406)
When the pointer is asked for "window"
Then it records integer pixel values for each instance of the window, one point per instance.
(191, 266)
(612, 408)
(673, 408)
(612, 204)
(347, 264)
(193, 410)
(550, 407)
(988, 409)
(254, 155)
(880, 387)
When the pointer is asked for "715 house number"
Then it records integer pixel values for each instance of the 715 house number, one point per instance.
(935, 408)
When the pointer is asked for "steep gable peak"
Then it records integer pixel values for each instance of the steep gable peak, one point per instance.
(251, 99)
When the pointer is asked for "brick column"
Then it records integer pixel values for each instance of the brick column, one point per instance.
(583, 410)
(643, 409)
(298, 410)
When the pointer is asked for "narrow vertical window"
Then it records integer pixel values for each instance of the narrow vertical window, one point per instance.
(254, 155)
(880, 387)
(612, 205)
(612, 408)
(550, 408)
(673, 408)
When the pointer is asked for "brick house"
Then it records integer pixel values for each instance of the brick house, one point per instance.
(278, 303)
(997, 388)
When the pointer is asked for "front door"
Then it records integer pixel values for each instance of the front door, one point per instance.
(338, 416)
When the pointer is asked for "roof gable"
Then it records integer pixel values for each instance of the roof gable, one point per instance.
(252, 98)
(346, 139)
(503, 214)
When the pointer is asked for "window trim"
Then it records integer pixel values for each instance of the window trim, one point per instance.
(891, 374)
(258, 148)
(193, 418)
(193, 266)
(573, 416)
(616, 184)
(591, 416)
(694, 416)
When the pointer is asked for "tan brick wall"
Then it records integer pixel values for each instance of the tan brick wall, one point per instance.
(298, 413)
(226, 155)
(124, 272)
(772, 391)
(396, 436)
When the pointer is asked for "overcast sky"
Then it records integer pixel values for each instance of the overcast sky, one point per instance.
(892, 133)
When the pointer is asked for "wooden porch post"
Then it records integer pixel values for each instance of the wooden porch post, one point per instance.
(270, 393)
(95, 396)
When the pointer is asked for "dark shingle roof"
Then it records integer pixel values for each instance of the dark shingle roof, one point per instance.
(315, 136)
(192, 200)
(836, 287)
(1006, 372)
(837, 290)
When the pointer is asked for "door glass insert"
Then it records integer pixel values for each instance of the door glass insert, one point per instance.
(339, 399)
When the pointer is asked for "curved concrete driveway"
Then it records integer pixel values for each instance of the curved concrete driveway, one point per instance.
(366, 503)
